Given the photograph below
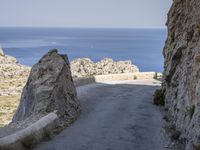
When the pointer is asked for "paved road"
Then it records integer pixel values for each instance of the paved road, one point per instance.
(115, 116)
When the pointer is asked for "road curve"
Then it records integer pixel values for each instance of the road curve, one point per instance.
(115, 116)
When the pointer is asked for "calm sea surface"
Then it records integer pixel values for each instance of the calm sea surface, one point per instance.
(142, 46)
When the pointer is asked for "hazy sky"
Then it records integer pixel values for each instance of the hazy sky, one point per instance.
(84, 13)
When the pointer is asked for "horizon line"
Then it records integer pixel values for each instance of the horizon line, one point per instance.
(84, 27)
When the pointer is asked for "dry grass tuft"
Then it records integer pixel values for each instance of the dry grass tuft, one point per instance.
(8, 106)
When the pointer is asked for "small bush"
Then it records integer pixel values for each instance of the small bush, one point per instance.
(47, 135)
(2, 147)
(197, 147)
(159, 97)
(175, 135)
(191, 111)
(29, 142)
(168, 79)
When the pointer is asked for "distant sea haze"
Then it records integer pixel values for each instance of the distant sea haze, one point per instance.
(142, 46)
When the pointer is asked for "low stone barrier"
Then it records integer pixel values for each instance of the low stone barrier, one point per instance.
(28, 137)
(113, 77)
(25, 138)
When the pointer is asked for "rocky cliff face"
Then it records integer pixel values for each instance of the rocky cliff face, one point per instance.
(49, 88)
(82, 67)
(182, 70)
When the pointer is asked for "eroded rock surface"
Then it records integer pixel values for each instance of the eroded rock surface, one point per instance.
(182, 70)
(82, 67)
(49, 88)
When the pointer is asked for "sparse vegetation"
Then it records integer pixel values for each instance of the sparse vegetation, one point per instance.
(8, 106)
(197, 147)
(175, 135)
(191, 111)
(29, 142)
(2, 147)
(159, 98)
(47, 135)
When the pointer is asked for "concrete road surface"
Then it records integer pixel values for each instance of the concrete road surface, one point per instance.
(115, 116)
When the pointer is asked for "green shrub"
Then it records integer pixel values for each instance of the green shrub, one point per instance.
(159, 97)
(197, 147)
(2, 147)
(29, 142)
(47, 135)
(191, 111)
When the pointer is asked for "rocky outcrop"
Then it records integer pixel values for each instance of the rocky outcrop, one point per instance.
(82, 67)
(49, 88)
(13, 75)
(182, 70)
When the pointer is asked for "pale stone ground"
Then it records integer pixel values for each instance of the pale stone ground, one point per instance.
(115, 116)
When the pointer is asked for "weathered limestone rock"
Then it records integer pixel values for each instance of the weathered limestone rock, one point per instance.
(49, 88)
(182, 70)
(82, 67)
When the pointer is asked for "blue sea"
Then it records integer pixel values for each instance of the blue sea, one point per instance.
(142, 46)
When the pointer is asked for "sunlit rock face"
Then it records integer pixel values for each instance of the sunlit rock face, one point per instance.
(49, 88)
(182, 69)
(82, 67)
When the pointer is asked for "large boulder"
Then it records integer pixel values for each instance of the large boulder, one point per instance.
(49, 88)
(182, 70)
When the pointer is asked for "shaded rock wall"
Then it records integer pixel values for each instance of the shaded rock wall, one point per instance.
(182, 69)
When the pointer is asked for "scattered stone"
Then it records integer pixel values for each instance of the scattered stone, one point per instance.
(82, 67)
(49, 88)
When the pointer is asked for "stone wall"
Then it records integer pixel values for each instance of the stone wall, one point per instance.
(182, 70)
